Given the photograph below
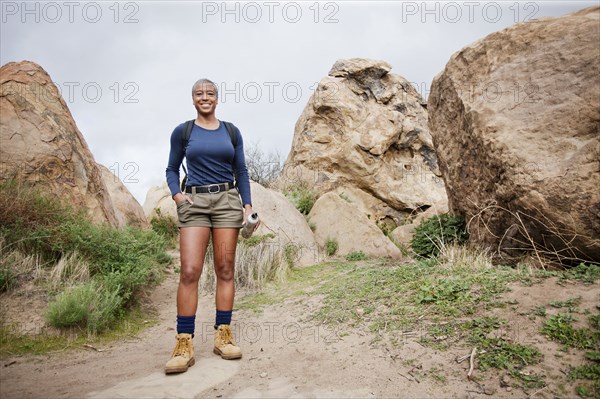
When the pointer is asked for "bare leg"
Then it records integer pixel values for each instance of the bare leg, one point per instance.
(192, 246)
(224, 244)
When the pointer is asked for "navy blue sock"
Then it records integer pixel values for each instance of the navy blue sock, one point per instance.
(223, 317)
(186, 324)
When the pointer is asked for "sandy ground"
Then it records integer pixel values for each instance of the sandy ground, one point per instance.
(285, 355)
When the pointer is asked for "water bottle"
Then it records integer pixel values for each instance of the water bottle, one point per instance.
(249, 226)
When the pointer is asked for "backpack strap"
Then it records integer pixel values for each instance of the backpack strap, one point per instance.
(187, 131)
(233, 136)
(232, 130)
(185, 137)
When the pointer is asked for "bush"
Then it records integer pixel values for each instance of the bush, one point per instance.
(356, 255)
(302, 198)
(290, 254)
(8, 279)
(89, 305)
(436, 232)
(120, 261)
(331, 246)
(165, 226)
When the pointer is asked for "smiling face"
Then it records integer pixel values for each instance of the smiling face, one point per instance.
(205, 97)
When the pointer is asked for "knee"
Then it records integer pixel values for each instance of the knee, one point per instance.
(224, 271)
(189, 275)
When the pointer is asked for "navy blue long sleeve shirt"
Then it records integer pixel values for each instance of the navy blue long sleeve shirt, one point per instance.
(210, 159)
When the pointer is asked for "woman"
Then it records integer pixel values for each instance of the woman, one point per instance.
(210, 204)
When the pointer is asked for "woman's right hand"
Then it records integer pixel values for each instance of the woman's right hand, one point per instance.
(180, 197)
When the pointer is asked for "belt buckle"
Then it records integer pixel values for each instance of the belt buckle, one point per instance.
(214, 192)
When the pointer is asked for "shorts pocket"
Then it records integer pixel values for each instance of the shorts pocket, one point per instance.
(233, 197)
(183, 211)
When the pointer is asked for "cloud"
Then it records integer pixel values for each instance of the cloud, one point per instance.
(128, 75)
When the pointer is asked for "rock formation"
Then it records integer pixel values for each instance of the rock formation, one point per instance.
(338, 219)
(159, 197)
(367, 128)
(515, 119)
(41, 144)
(279, 217)
(128, 211)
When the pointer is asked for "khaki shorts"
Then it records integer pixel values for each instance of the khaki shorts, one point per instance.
(220, 210)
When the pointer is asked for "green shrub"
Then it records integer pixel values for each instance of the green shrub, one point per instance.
(356, 255)
(165, 226)
(120, 261)
(91, 306)
(290, 253)
(302, 198)
(331, 246)
(434, 233)
(8, 279)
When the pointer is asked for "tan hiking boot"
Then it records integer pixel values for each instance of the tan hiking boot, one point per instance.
(225, 345)
(183, 355)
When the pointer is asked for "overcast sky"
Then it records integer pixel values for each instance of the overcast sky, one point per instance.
(126, 68)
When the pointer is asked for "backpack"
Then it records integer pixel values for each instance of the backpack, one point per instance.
(187, 131)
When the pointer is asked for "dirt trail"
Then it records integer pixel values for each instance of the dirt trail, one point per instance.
(285, 355)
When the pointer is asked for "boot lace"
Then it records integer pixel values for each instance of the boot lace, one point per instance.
(182, 347)
(226, 336)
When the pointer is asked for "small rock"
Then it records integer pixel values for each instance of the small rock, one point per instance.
(489, 391)
(508, 389)
(264, 374)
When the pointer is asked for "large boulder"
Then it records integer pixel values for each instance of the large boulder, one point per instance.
(41, 144)
(365, 127)
(159, 197)
(338, 219)
(515, 119)
(279, 217)
(371, 206)
(128, 211)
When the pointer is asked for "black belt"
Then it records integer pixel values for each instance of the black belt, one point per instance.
(210, 189)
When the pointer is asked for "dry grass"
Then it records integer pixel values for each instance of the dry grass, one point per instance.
(456, 256)
(531, 237)
(15, 266)
(69, 270)
(254, 266)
